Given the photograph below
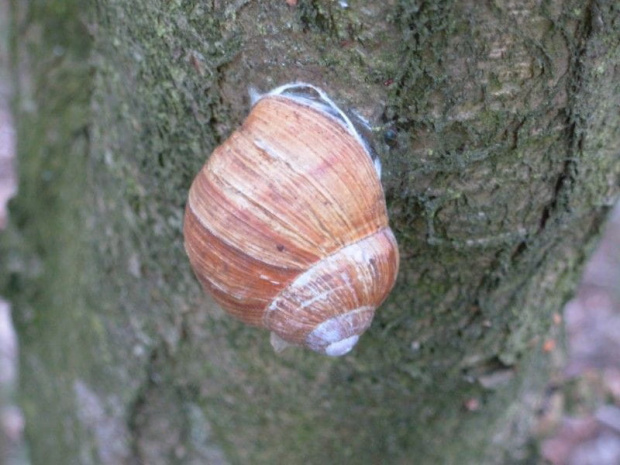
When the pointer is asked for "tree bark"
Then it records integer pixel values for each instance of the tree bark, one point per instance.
(497, 123)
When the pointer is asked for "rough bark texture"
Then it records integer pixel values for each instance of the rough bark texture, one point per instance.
(498, 126)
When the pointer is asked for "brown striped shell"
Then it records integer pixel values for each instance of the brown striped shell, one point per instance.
(286, 224)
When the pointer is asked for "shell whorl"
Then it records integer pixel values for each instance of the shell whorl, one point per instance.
(335, 299)
(286, 226)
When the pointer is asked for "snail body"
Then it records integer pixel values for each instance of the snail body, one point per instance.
(286, 224)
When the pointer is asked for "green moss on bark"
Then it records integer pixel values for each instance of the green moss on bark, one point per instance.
(498, 170)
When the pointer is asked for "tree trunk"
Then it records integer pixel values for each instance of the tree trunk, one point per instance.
(497, 124)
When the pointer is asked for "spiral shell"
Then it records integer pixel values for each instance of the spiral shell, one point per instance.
(286, 224)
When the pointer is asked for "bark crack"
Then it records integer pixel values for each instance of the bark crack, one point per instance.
(574, 145)
(137, 407)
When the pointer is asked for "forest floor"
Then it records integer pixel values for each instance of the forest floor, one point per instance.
(581, 416)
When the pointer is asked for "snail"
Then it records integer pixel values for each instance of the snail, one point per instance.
(286, 224)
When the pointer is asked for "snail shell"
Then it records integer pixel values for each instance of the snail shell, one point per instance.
(286, 224)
